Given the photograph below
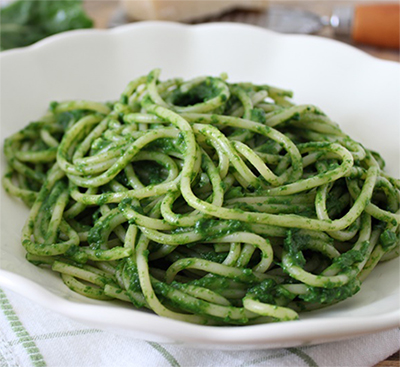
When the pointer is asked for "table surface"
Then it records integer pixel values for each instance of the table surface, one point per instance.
(102, 10)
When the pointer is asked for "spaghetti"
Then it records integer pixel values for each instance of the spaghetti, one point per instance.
(203, 201)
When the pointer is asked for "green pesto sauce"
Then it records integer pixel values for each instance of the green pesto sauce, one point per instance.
(213, 228)
(332, 295)
(198, 94)
(265, 291)
(351, 257)
(294, 244)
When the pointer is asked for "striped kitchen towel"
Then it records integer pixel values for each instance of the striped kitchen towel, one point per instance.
(31, 335)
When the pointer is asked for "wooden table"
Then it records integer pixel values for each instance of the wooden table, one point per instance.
(101, 11)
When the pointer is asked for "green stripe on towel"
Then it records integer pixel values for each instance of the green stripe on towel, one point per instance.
(22, 334)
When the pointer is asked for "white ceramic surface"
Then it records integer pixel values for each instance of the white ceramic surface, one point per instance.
(360, 92)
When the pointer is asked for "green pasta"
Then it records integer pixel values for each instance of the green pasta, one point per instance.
(203, 201)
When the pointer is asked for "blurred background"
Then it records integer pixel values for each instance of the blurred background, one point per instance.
(379, 18)
(371, 25)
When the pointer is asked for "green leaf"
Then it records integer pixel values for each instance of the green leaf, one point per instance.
(26, 22)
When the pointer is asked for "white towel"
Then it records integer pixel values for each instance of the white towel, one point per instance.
(31, 335)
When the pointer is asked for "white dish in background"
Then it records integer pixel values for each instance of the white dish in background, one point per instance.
(359, 92)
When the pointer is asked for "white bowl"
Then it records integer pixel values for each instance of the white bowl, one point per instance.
(359, 92)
